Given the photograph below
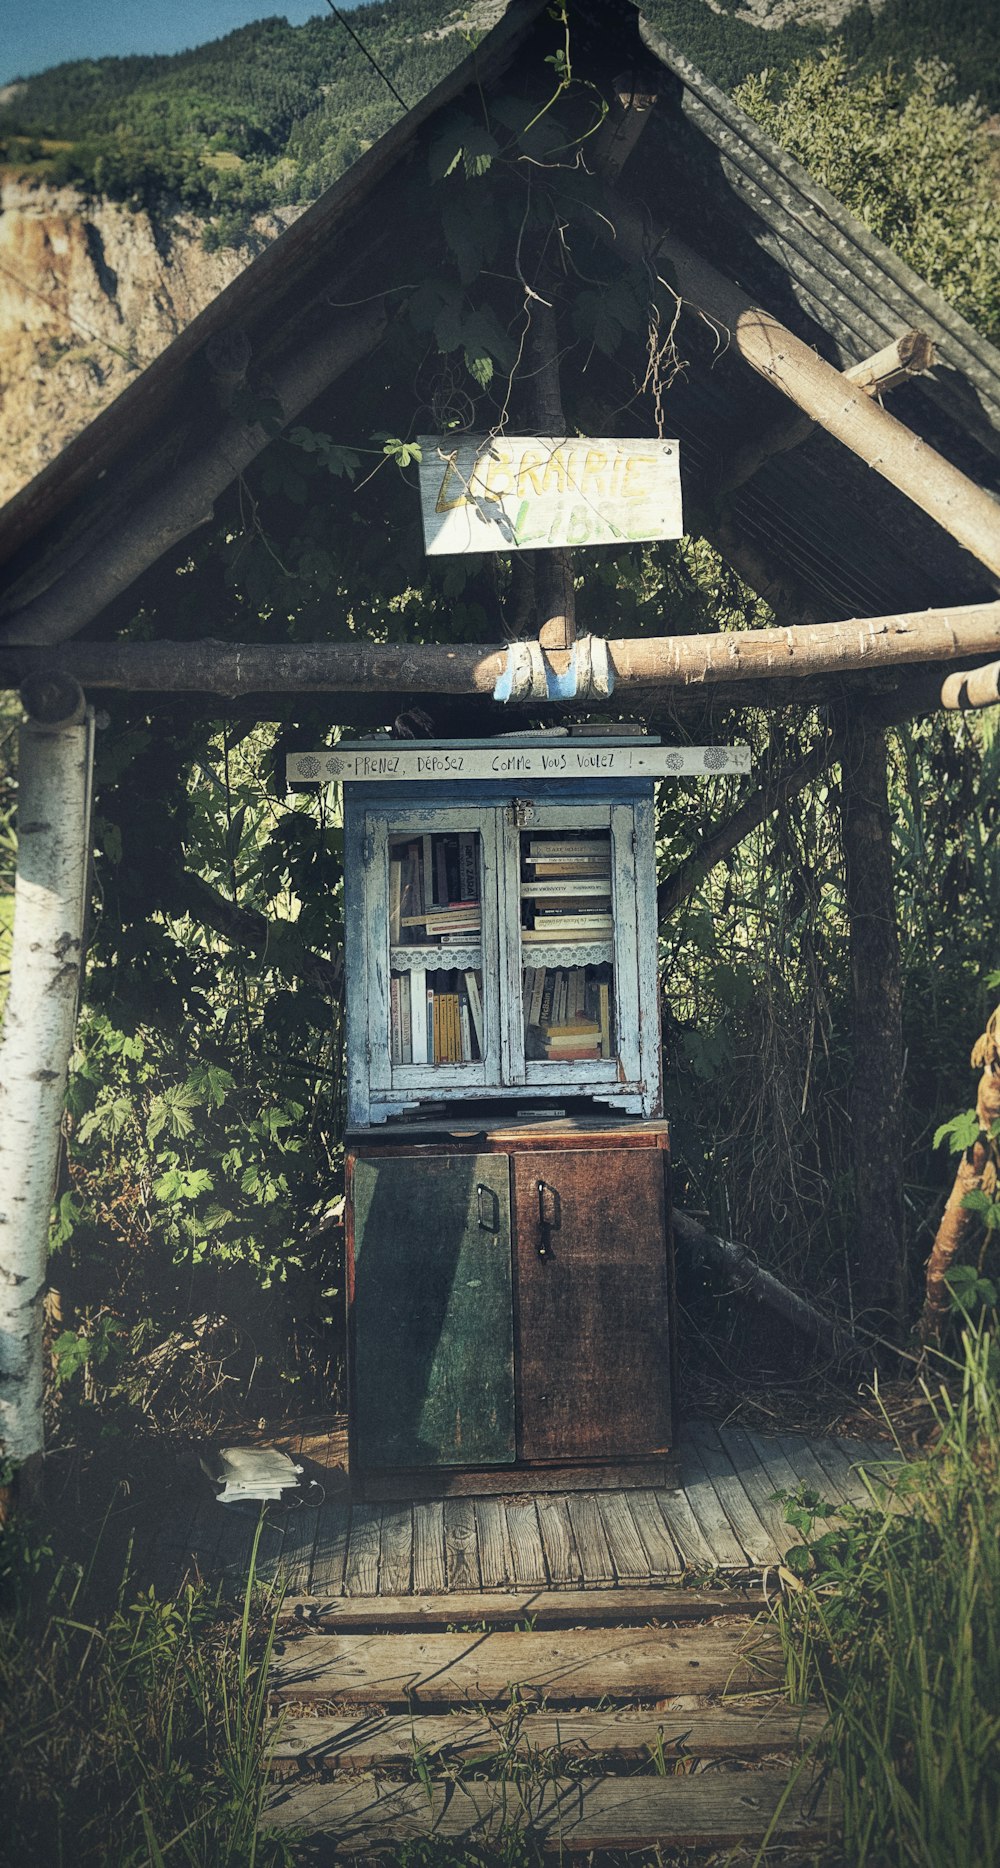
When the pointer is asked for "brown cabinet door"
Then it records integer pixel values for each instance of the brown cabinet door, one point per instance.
(593, 1378)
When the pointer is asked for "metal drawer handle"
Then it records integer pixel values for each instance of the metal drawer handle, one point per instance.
(487, 1208)
(548, 1217)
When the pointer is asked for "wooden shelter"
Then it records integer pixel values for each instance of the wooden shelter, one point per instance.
(875, 535)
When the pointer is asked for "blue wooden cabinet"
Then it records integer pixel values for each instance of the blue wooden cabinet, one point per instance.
(501, 942)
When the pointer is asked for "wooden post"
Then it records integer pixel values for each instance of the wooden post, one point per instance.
(555, 595)
(876, 1086)
(54, 779)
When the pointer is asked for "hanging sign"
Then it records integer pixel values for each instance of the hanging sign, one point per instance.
(534, 492)
(571, 759)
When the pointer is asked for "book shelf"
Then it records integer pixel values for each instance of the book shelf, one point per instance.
(501, 944)
(508, 1266)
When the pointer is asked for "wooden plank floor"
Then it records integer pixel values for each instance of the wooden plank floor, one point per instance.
(598, 1736)
(723, 1516)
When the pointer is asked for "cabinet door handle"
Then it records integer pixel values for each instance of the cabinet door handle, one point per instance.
(548, 1217)
(487, 1208)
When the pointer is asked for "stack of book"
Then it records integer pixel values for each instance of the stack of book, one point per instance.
(434, 888)
(435, 1017)
(242, 1473)
(453, 923)
(568, 891)
(567, 1013)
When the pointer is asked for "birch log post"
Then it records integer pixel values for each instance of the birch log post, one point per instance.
(49, 898)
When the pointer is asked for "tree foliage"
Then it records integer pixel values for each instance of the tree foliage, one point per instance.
(917, 165)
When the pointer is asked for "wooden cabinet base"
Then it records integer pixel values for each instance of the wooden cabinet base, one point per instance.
(509, 1481)
(510, 1310)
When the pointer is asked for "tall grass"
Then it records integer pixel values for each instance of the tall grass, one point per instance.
(898, 1628)
(132, 1733)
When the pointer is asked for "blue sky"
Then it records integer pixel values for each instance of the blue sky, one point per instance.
(37, 33)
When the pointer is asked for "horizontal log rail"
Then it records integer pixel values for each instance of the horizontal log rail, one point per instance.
(640, 664)
(970, 688)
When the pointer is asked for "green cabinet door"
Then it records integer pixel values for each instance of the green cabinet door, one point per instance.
(432, 1319)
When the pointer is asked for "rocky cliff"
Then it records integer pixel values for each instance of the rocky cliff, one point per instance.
(90, 292)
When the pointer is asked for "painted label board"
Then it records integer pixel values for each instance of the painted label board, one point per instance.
(569, 760)
(529, 493)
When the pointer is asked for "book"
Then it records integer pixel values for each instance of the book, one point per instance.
(580, 905)
(438, 1012)
(545, 1010)
(468, 867)
(395, 898)
(475, 1009)
(454, 1036)
(418, 1016)
(576, 933)
(427, 873)
(409, 893)
(431, 1025)
(405, 1026)
(441, 894)
(568, 846)
(395, 1028)
(465, 1027)
(604, 1016)
(568, 887)
(538, 991)
(527, 986)
(594, 923)
(544, 939)
(458, 918)
(546, 867)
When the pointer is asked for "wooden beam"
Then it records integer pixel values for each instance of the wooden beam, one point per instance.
(908, 355)
(968, 513)
(187, 499)
(973, 687)
(728, 657)
(554, 589)
(743, 1275)
(897, 363)
(629, 112)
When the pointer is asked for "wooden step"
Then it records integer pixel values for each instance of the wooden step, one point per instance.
(359, 1814)
(604, 1737)
(541, 1608)
(563, 1669)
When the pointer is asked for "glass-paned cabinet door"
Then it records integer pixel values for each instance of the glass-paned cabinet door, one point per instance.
(571, 873)
(432, 941)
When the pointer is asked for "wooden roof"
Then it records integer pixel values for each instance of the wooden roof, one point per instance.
(819, 523)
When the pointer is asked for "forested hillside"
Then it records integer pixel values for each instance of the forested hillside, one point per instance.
(271, 114)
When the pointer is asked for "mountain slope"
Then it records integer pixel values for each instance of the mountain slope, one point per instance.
(132, 190)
